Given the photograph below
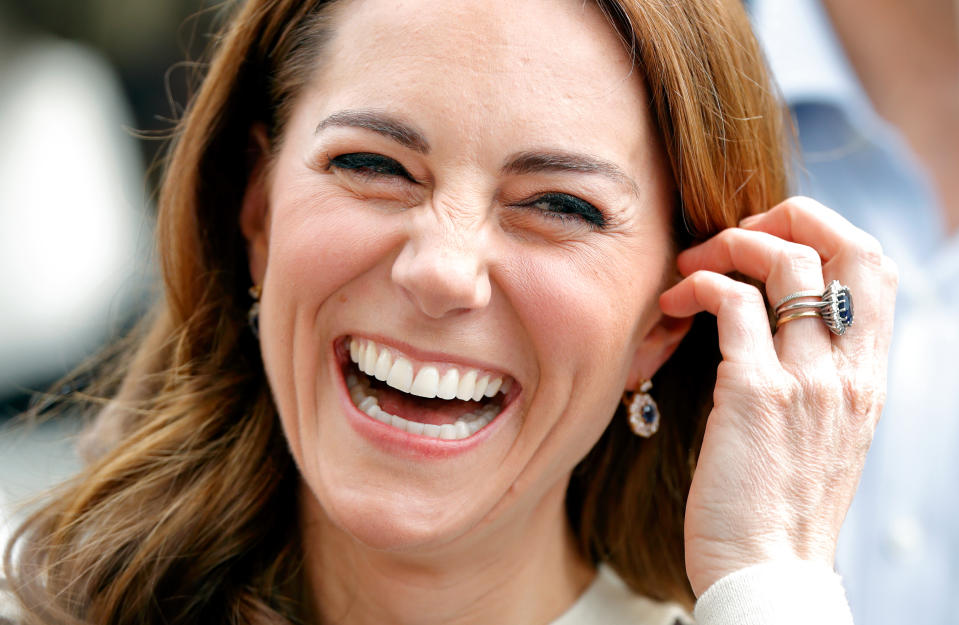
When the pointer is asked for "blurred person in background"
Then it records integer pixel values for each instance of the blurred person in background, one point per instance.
(874, 90)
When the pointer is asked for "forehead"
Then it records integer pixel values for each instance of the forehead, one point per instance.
(535, 71)
(501, 30)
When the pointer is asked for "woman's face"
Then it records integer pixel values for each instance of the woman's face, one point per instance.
(468, 191)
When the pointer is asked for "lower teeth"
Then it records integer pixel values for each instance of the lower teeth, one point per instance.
(464, 427)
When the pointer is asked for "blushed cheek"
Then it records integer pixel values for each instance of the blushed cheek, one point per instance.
(319, 250)
(316, 248)
(584, 325)
(584, 320)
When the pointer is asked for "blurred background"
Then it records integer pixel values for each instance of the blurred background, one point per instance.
(88, 90)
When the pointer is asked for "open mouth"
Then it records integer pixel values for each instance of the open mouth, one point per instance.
(436, 400)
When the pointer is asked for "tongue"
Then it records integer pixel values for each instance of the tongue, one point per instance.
(422, 410)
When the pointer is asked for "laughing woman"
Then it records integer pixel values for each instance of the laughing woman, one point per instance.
(471, 233)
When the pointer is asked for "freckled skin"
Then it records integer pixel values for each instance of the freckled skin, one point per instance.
(452, 264)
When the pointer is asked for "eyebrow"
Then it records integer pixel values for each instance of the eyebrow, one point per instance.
(380, 123)
(522, 163)
(556, 161)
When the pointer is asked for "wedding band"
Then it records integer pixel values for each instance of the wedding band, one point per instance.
(796, 295)
(800, 306)
(784, 320)
(834, 307)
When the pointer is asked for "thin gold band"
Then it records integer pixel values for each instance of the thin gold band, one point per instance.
(794, 316)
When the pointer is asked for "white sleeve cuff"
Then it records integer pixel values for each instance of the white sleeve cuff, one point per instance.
(776, 593)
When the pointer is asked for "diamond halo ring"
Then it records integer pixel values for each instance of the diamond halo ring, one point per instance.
(833, 306)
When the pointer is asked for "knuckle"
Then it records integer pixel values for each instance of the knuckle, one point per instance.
(746, 295)
(700, 278)
(727, 233)
(788, 395)
(727, 239)
(869, 250)
(732, 240)
(865, 398)
(800, 259)
(801, 204)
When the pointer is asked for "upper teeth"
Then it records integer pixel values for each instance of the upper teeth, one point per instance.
(465, 425)
(401, 374)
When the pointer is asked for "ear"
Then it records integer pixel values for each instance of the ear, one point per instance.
(255, 213)
(657, 347)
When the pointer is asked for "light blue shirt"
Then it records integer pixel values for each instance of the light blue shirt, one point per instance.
(899, 549)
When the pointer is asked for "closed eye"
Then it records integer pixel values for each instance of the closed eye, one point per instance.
(567, 207)
(369, 166)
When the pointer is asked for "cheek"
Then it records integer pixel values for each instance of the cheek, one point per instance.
(584, 311)
(318, 243)
(583, 319)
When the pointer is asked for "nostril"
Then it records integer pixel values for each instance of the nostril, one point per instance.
(437, 302)
(441, 282)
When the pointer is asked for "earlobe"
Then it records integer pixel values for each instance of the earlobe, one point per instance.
(656, 348)
(254, 213)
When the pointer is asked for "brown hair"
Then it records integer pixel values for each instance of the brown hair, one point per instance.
(156, 529)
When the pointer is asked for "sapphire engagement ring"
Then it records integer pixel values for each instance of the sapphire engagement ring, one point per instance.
(833, 306)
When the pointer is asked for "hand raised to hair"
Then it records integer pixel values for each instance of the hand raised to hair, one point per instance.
(794, 412)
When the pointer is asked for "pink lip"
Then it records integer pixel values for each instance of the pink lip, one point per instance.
(402, 443)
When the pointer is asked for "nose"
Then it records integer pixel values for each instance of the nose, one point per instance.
(443, 267)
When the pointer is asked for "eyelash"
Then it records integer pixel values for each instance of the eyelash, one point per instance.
(565, 207)
(369, 165)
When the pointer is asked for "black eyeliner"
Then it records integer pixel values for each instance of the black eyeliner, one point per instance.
(572, 205)
(375, 164)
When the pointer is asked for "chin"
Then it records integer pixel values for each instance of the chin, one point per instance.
(399, 522)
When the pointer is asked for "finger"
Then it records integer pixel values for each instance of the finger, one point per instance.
(806, 221)
(784, 267)
(850, 255)
(740, 311)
